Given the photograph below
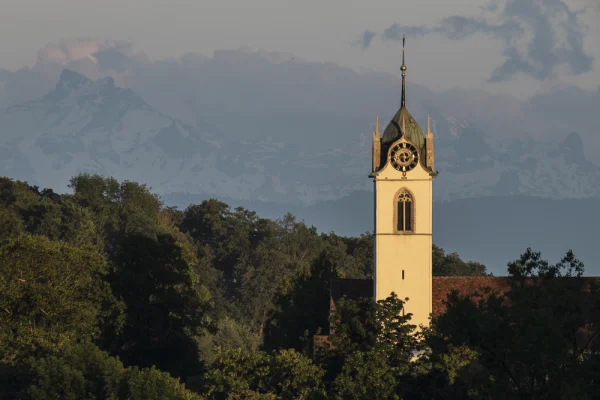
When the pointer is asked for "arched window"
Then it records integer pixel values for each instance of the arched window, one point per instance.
(405, 212)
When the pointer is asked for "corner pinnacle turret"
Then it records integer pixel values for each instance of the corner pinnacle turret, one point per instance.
(376, 146)
(428, 125)
(429, 146)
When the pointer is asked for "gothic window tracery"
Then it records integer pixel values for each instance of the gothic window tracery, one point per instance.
(404, 212)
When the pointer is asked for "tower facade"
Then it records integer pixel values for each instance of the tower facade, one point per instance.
(403, 175)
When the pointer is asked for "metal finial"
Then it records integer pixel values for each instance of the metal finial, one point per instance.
(403, 43)
(403, 69)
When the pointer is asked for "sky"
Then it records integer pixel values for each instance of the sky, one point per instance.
(509, 46)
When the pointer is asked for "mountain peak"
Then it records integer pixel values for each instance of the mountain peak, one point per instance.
(571, 147)
(106, 82)
(573, 142)
(72, 79)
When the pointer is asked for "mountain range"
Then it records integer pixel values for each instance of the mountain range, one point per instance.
(95, 126)
(273, 132)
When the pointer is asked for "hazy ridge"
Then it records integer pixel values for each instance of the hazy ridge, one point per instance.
(277, 134)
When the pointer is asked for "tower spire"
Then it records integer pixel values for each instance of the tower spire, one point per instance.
(403, 125)
(403, 69)
(377, 124)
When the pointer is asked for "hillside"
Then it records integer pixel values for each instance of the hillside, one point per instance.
(107, 293)
(493, 230)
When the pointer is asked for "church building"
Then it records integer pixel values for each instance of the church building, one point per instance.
(403, 173)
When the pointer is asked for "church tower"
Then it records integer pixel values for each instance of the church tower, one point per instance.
(403, 172)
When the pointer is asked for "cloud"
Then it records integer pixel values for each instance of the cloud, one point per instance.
(395, 32)
(539, 36)
(365, 39)
(68, 50)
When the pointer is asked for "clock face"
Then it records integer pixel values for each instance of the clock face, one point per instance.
(404, 157)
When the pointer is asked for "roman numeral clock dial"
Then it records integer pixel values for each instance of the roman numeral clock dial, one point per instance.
(404, 157)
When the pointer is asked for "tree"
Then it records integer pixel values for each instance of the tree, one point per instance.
(300, 243)
(62, 219)
(284, 374)
(119, 209)
(11, 223)
(532, 341)
(365, 375)
(531, 265)
(85, 372)
(26, 208)
(304, 311)
(452, 265)
(230, 334)
(371, 349)
(361, 250)
(16, 194)
(165, 309)
(51, 293)
(262, 278)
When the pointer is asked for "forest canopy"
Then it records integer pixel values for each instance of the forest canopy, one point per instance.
(107, 293)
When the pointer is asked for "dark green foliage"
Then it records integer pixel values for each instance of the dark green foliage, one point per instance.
(118, 209)
(165, 312)
(451, 265)
(361, 251)
(282, 375)
(531, 342)
(531, 265)
(365, 324)
(51, 294)
(371, 352)
(108, 294)
(44, 213)
(304, 311)
(61, 219)
(85, 372)
(11, 223)
(366, 375)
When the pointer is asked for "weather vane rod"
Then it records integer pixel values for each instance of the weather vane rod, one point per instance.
(403, 69)
(403, 43)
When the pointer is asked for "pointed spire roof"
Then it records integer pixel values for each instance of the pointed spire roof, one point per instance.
(403, 123)
(403, 117)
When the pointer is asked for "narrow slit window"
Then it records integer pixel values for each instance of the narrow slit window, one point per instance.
(402, 274)
(405, 212)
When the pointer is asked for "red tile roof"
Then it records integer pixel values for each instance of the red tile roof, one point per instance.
(469, 285)
(442, 286)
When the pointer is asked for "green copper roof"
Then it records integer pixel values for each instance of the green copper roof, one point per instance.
(413, 132)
